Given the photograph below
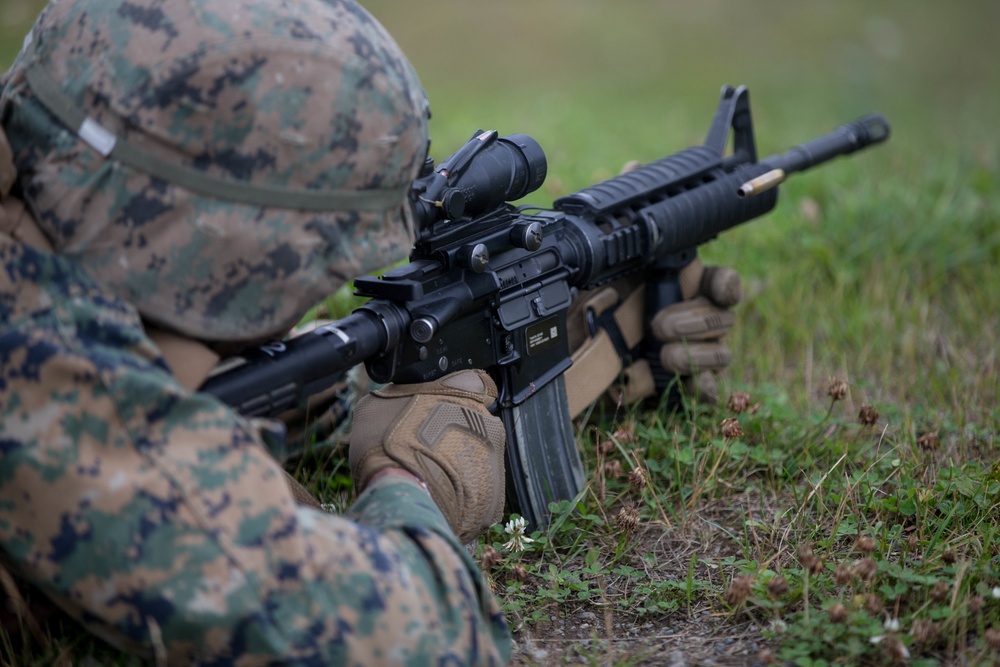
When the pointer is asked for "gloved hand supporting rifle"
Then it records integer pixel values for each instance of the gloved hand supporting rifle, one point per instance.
(607, 325)
(442, 432)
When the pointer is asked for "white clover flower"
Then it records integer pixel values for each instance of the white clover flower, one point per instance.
(995, 592)
(891, 624)
(515, 528)
(877, 639)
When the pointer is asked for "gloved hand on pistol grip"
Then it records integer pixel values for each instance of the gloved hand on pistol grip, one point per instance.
(442, 432)
(691, 329)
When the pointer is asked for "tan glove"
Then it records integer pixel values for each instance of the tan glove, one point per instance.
(441, 432)
(691, 330)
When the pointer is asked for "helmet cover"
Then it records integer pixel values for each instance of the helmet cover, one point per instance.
(236, 162)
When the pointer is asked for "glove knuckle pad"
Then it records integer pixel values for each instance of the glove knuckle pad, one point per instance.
(692, 320)
(689, 358)
(445, 415)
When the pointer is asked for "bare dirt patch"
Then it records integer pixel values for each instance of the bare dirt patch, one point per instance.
(701, 631)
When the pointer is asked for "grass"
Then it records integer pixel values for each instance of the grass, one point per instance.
(803, 536)
(765, 529)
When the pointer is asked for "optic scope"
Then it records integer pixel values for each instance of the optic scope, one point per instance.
(486, 172)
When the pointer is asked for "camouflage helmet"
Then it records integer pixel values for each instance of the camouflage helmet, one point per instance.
(221, 165)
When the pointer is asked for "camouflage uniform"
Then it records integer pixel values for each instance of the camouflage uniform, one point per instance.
(152, 513)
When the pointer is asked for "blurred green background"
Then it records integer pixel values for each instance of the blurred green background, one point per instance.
(882, 267)
(645, 75)
(641, 78)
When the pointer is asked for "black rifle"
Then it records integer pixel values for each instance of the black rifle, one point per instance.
(488, 285)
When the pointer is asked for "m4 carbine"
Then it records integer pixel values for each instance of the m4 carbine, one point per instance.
(488, 284)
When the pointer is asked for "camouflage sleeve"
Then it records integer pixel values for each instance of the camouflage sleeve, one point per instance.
(406, 514)
(156, 517)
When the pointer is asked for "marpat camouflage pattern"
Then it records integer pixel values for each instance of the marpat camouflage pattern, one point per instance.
(153, 514)
(150, 512)
(304, 95)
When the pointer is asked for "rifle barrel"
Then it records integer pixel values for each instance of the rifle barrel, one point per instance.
(849, 137)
